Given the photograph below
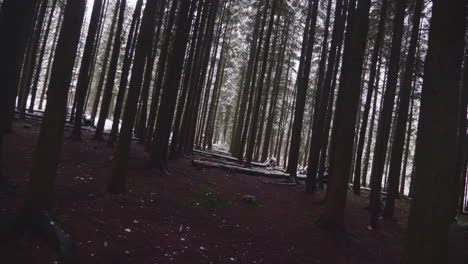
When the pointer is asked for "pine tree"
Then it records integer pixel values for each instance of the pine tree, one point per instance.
(49, 144)
(143, 46)
(84, 76)
(436, 142)
(402, 119)
(345, 116)
(385, 118)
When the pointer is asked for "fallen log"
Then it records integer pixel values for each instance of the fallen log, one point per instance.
(219, 155)
(253, 172)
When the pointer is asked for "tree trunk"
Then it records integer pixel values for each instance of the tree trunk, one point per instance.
(84, 77)
(345, 116)
(402, 117)
(127, 63)
(436, 142)
(13, 28)
(385, 118)
(49, 144)
(143, 46)
(370, 91)
(322, 96)
(106, 98)
(256, 109)
(171, 86)
(51, 57)
(41, 58)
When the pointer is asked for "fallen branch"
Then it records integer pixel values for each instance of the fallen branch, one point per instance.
(254, 172)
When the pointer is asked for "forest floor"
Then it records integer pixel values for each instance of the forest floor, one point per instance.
(193, 216)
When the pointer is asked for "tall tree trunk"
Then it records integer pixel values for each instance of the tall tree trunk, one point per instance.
(370, 91)
(49, 145)
(84, 77)
(28, 70)
(160, 73)
(127, 63)
(49, 63)
(176, 140)
(302, 84)
(275, 92)
(171, 86)
(104, 70)
(143, 47)
(106, 98)
(14, 28)
(436, 142)
(402, 119)
(323, 96)
(385, 118)
(345, 116)
(41, 58)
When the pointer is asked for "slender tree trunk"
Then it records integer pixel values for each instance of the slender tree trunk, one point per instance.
(276, 87)
(127, 63)
(13, 28)
(84, 77)
(402, 117)
(49, 63)
(41, 58)
(106, 99)
(302, 83)
(370, 91)
(345, 117)
(256, 109)
(143, 47)
(28, 70)
(323, 96)
(436, 142)
(385, 118)
(159, 153)
(160, 73)
(49, 145)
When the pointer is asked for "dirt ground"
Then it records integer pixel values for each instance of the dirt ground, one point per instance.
(193, 216)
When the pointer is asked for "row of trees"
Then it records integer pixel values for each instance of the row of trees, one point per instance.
(346, 86)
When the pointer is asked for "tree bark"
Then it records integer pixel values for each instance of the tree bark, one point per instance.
(345, 117)
(402, 117)
(49, 144)
(127, 63)
(143, 46)
(107, 96)
(385, 118)
(84, 77)
(437, 140)
(370, 91)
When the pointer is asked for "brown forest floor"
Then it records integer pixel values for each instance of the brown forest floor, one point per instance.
(192, 216)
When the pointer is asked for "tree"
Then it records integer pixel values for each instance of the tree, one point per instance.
(171, 86)
(106, 99)
(345, 117)
(437, 140)
(41, 58)
(370, 91)
(385, 118)
(302, 84)
(13, 27)
(84, 76)
(323, 94)
(402, 119)
(127, 63)
(49, 144)
(258, 97)
(143, 46)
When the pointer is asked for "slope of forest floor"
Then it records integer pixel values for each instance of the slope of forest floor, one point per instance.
(193, 216)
